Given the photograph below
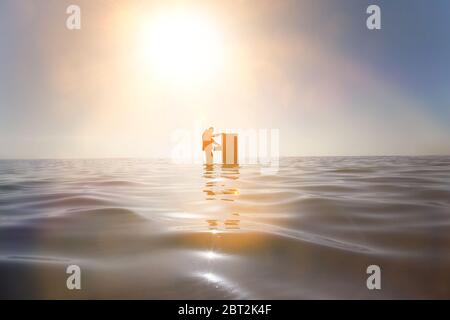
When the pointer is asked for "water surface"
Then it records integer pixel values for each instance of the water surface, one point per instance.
(152, 229)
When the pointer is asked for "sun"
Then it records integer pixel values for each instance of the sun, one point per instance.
(182, 46)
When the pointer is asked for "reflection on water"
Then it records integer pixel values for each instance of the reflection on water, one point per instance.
(151, 229)
(219, 186)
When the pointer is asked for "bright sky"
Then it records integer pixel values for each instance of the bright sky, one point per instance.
(138, 70)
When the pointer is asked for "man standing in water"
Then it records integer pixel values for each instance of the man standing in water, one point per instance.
(208, 144)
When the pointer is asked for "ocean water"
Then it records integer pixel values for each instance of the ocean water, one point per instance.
(152, 229)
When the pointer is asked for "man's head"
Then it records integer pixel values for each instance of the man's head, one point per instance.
(211, 129)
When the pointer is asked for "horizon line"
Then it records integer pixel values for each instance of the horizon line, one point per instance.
(281, 157)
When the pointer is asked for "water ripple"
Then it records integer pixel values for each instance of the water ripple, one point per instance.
(183, 231)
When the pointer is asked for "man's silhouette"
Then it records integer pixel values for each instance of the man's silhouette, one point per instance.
(208, 144)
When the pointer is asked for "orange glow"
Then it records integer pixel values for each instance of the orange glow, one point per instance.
(181, 46)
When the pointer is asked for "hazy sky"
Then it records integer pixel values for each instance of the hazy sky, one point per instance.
(308, 68)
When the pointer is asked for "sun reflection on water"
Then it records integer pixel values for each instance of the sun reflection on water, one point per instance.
(211, 255)
(211, 277)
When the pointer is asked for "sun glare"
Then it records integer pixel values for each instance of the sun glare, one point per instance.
(184, 47)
